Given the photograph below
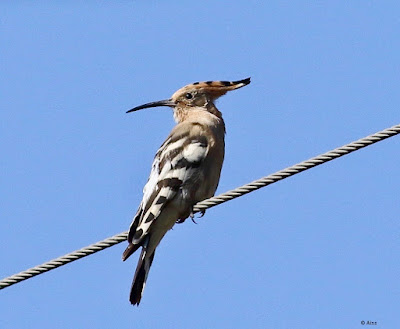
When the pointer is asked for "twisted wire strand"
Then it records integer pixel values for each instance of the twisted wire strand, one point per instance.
(205, 204)
(60, 261)
(297, 168)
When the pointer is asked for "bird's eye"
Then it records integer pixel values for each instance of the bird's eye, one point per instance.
(189, 96)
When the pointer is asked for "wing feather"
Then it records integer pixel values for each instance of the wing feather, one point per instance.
(175, 163)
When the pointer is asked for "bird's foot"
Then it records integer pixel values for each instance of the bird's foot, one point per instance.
(192, 216)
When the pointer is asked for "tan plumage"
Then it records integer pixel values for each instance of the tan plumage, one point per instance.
(185, 170)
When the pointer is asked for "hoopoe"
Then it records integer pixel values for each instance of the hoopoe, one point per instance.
(185, 170)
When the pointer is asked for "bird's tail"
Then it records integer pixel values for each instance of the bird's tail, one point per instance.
(142, 271)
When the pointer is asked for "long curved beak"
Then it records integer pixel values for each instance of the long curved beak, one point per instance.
(165, 102)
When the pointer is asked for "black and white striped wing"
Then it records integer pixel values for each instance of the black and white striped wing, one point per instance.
(175, 163)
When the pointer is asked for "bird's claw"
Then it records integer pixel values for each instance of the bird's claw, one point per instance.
(192, 216)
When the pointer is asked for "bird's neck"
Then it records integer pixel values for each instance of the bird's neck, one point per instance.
(211, 114)
(213, 110)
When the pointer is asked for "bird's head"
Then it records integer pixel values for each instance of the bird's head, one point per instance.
(196, 95)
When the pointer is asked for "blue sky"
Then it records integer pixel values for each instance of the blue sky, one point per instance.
(318, 250)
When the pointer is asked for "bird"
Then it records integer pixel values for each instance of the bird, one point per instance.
(185, 170)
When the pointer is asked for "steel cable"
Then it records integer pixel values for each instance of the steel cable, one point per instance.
(205, 204)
